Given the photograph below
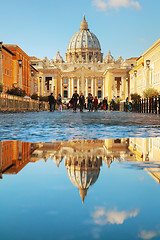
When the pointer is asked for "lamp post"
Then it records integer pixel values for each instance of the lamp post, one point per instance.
(148, 63)
(32, 73)
(135, 80)
(1, 69)
(127, 87)
(20, 73)
(32, 82)
(40, 80)
(147, 73)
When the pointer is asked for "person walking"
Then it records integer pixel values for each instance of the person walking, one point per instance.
(105, 104)
(59, 102)
(75, 99)
(81, 102)
(51, 101)
(90, 105)
(95, 103)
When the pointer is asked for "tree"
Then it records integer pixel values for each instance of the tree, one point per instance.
(135, 96)
(43, 99)
(17, 92)
(150, 92)
(34, 96)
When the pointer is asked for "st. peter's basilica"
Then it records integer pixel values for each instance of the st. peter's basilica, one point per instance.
(84, 69)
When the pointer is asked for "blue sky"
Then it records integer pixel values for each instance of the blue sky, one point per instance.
(40, 28)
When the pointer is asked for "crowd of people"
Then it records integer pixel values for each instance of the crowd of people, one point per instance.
(78, 101)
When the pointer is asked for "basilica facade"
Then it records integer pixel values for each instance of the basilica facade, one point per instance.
(84, 70)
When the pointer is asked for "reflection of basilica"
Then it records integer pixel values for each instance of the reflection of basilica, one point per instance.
(82, 158)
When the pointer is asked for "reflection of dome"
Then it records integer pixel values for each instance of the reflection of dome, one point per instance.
(84, 46)
(58, 58)
(83, 179)
(83, 173)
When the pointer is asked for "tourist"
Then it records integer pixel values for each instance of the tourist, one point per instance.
(90, 105)
(75, 99)
(81, 102)
(105, 104)
(95, 103)
(112, 105)
(59, 102)
(52, 102)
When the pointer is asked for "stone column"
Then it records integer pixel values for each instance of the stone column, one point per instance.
(103, 93)
(1, 67)
(51, 84)
(72, 86)
(69, 85)
(95, 87)
(148, 85)
(78, 86)
(86, 92)
(127, 87)
(123, 87)
(92, 85)
(61, 87)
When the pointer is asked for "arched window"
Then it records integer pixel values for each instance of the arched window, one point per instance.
(65, 81)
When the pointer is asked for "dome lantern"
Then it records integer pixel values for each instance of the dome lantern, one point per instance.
(84, 24)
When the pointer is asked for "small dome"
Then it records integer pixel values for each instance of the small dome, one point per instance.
(58, 58)
(119, 60)
(109, 58)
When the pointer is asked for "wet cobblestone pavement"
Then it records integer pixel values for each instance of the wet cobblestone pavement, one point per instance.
(48, 126)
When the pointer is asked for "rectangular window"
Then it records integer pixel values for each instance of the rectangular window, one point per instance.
(65, 94)
(99, 93)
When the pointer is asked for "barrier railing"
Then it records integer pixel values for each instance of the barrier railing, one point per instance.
(143, 105)
(20, 104)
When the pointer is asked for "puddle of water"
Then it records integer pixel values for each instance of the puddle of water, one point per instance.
(90, 189)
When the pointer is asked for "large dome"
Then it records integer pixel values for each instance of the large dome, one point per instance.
(84, 39)
(84, 46)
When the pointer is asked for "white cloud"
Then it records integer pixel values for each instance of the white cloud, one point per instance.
(103, 5)
(147, 234)
(102, 216)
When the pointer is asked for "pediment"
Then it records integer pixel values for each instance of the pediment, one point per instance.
(82, 69)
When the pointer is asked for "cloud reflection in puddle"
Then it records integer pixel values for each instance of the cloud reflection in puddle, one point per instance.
(101, 216)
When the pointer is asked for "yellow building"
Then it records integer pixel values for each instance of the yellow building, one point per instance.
(84, 69)
(146, 74)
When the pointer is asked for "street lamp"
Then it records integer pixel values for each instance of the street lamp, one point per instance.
(148, 63)
(135, 73)
(32, 73)
(20, 63)
(40, 79)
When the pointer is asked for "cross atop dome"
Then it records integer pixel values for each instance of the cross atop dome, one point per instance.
(84, 24)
